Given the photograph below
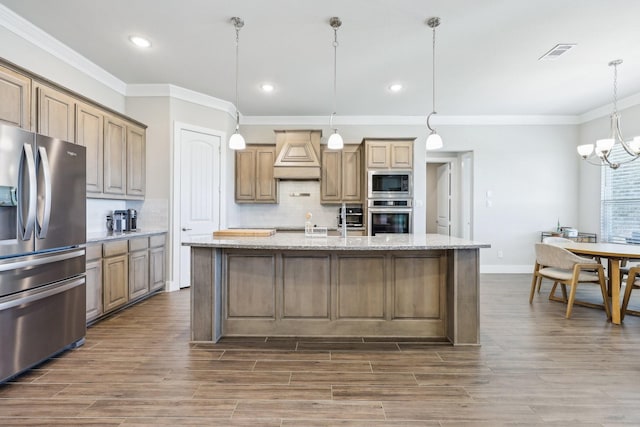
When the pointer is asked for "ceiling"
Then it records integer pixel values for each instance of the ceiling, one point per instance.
(486, 52)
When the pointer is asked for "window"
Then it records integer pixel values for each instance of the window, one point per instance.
(620, 198)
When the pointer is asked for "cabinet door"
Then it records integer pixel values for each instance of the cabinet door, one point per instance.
(136, 165)
(351, 173)
(115, 155)
(115, 292)
(265, 182)
(90, 134)
(138, 274)
(94, 289)
(56, 114)
(402, 155)
(15, 99)
(156, 268)
(331, 177)
(377, 154)
(246, 175)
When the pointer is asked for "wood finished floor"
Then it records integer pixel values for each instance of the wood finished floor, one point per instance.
(534, 368)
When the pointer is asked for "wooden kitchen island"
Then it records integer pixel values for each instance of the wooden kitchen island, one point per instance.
(396, 285)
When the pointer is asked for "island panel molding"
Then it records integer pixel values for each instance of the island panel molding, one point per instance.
(423, 286)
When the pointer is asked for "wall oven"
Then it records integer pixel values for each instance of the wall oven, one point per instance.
(390, 184)
(390, 216)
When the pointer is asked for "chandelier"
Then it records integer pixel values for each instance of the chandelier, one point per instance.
(434, 141)
(236, 142)
(599, 154)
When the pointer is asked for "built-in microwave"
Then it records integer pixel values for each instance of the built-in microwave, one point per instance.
(391, 184)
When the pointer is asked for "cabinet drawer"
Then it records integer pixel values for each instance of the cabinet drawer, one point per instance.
(156, 241)
(118, 247)
(138, 244)
(94, 252)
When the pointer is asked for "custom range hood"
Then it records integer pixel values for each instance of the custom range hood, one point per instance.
(297, 154)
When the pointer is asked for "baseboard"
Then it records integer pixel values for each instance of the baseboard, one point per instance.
(506, 269)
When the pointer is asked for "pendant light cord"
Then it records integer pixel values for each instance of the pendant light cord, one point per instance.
(433, 74)
(335, 72)
(237, 71)
(615, 89)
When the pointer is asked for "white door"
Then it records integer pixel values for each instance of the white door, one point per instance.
(444, 199)
(199, 192)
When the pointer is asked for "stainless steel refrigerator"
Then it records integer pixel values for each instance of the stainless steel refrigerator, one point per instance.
(42, 248)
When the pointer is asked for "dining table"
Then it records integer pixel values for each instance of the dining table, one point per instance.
(615, 253)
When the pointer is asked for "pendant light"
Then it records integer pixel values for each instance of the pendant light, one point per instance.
(335, 141)
(236, 142)
(434, 141)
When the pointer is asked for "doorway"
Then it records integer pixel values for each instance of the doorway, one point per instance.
(198, 194)
(449, 194)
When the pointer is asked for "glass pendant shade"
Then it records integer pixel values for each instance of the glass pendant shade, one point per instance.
(635, 144)
(434, 141)
(605, 145)
(335, 141)
(236, 142)
(585, 150)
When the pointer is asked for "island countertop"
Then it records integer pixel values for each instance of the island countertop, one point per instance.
(288, 241)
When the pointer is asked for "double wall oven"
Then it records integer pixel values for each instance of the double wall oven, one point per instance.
(390, 201)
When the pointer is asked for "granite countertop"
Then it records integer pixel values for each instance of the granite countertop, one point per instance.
(380, 242)
(102, 236)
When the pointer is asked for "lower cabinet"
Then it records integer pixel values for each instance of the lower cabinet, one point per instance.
(94, 281)
(138, 267)
(115, 286)
(122, 271)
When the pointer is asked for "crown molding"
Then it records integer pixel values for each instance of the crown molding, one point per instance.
(34, 35)
(605, 110)
(177, 92)
(439, 120)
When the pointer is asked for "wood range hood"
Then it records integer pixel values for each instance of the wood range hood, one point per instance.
(297, 155)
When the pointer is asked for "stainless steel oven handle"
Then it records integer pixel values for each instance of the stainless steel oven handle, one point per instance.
(43, 224)
(41, 295)
(41, 261)
(26, 226)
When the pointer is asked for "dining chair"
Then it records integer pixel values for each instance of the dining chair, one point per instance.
(554, 240)
(633, 282)
(567, 269)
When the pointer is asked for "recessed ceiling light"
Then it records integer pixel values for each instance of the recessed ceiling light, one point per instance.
(396, 87)
(140, 41)
(267, 87)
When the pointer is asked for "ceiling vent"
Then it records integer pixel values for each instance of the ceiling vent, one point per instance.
(557, 51)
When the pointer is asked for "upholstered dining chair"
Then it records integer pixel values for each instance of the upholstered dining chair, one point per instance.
(633, 282)
(553, 240)
(567, 269)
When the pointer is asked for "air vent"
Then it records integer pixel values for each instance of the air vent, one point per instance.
(557, 51)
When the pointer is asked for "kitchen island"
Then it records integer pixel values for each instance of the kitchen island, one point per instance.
(395, 285)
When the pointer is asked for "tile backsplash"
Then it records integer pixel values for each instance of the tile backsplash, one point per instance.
(289, 212)
(152, 213)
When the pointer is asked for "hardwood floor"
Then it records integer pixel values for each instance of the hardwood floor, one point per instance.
(534, 368)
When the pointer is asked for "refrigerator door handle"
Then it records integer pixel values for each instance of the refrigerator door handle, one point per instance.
(43, 223)
(14, 265)
(26, 226)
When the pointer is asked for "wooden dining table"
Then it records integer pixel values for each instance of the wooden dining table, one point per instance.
(615, 253)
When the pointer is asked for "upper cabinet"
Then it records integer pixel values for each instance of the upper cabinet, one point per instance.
(341, 178)
(255, 182)
(136, 160)
(15, 98)
(90, 134)
(55, 113)
(389, 153)
(116, 145)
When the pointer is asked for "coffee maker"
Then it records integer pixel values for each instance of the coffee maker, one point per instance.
(120, 221)
(132, 220)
